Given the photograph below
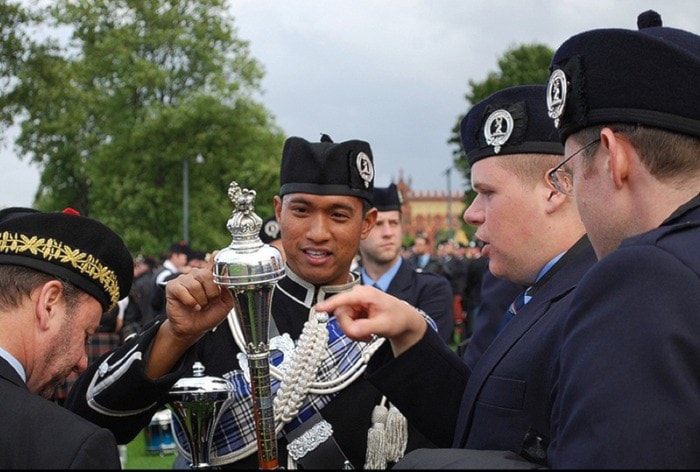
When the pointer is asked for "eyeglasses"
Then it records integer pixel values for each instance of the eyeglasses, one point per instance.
(560, 178)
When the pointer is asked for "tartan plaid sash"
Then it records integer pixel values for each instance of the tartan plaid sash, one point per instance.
(236, 428)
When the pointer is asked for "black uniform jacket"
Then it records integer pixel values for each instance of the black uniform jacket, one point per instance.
(434, 265)
(428, 291)
(36, 433)
(123, 399)
(505, 402)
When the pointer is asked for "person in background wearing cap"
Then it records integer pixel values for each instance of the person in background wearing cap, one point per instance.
(384, 268)
(59, 272)
(270, 234)
(324, 209)
(627, 106)
(532, 236)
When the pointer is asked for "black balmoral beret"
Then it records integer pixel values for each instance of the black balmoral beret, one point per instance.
(607, 76)
(270, 230)
(66, 245)
(511, 121)
(387, 198)
(327, 168)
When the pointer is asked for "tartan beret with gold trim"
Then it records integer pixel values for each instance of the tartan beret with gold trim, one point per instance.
(327, 168)
(647, 76)
(75, 248)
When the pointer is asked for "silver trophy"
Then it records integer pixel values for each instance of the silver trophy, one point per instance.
(250, 269)
(197, 403)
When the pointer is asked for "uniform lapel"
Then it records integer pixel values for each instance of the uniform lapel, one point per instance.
(499, 347)
(567, 272)
(402, 282)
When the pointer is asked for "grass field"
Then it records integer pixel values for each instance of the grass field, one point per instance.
(138, 458)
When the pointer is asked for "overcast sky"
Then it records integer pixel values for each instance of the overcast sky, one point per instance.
(392, 72)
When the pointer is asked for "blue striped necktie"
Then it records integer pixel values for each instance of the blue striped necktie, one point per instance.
(513, 310)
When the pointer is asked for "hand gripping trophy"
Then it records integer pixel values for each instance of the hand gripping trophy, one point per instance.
(250, 269)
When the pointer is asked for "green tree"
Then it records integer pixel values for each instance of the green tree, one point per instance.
(113, 112)
(519, 65)
(13, 45)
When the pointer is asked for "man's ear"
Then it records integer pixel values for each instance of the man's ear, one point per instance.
(554, 198)
(277, 204)
(49, 299)
(619, 154)
(368, 222)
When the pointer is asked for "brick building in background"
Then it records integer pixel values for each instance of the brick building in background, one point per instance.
(428, 211)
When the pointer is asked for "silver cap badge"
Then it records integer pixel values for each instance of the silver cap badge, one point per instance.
(365, 168)
(271, 228)
(498, 128)
(556, 95)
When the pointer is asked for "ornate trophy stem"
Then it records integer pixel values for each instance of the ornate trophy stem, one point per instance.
(250, 269)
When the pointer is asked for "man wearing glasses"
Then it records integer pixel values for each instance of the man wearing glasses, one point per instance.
(629, 376)
(534, 237)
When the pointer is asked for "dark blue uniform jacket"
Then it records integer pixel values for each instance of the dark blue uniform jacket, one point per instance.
(505, 402)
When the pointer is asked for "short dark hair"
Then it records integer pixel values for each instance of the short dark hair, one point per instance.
(17, 283)
(665, 154)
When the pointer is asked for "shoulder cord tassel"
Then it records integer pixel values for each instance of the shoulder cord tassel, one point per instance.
(396, 433)
(376, 455)
(387, 438)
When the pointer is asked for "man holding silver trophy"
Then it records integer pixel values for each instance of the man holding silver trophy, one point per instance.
(326, 415)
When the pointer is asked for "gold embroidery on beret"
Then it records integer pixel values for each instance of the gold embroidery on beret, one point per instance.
(55, 251)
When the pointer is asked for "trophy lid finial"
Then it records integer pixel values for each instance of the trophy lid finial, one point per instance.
(198, 369)
(244, 223)
(247, 260)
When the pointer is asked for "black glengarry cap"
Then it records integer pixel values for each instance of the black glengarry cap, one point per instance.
(327, 168)
(387, 198)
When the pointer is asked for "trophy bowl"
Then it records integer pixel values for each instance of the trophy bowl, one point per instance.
(197, 403)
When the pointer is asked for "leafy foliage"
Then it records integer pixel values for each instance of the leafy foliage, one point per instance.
(138, 88)
(13, 44)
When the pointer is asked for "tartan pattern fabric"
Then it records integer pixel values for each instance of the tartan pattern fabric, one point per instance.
(100, 343)
(236, 428)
